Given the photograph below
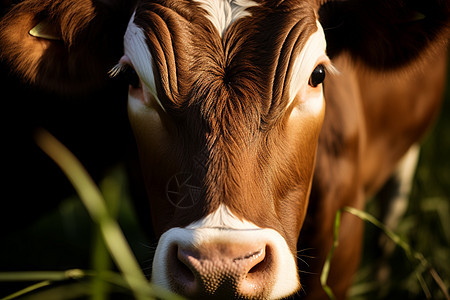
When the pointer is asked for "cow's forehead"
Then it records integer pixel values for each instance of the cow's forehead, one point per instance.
(209, 47)
(270, 19)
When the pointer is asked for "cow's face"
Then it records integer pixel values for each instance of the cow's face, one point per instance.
(226, 110)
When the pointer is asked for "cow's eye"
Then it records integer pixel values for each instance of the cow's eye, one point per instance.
(130, 76)
(317, 76)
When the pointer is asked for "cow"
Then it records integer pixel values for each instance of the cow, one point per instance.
(242, 163)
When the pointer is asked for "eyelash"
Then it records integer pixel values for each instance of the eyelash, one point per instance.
(126, 73)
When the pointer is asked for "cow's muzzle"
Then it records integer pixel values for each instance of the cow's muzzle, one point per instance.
(225, 263)
(232, 270)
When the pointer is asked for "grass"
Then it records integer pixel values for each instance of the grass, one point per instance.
(109, 240)
(415, 257)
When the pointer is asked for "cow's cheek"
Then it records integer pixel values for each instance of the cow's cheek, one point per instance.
(303, 128)
(155, 145)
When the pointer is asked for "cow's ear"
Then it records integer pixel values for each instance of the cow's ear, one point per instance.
(64, 45)
(385, 34)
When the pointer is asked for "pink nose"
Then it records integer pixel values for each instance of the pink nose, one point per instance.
(222, 270)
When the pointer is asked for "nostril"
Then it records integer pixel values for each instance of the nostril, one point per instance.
(258, 277)
(183, 268)
(261, 265)
(182, 277)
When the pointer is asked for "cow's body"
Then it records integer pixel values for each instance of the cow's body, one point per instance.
(227, 111)
(371, 130)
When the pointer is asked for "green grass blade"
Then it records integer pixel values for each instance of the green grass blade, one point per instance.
(395, 238)
(95, 205)
(413, 255)
(326, 266)
(423, 285)
(42, 275)
(371, 219)
(101, 260)
(27, 290)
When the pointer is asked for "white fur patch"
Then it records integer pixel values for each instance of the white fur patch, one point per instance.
(222, 13)
(137, 51)
(305, 63)
(224, 219)
(222, 227)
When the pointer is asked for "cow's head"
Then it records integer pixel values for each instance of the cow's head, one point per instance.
(226, 107)
(226, 104)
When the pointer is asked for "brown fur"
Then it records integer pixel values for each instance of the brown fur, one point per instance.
(226, 120)
(226, 98)
(90, 42)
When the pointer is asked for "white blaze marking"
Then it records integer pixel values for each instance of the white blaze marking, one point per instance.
(136, 49)
(222, 226)
(222, 13)
(304, 64)
(222, 218)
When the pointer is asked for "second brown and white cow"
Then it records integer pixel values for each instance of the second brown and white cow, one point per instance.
(242, 162)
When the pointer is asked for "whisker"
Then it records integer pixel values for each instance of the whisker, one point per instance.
(303, 250)
(303, 261)
(307, 272)
(148, 246)
(149, 268)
